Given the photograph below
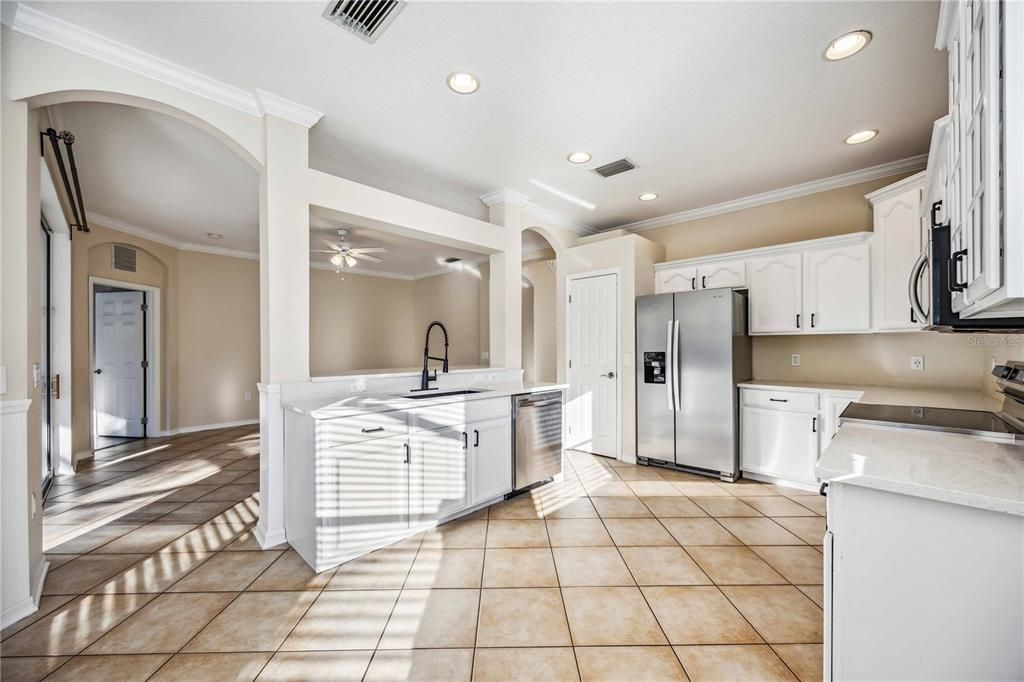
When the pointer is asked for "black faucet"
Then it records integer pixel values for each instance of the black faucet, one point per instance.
(425, 378)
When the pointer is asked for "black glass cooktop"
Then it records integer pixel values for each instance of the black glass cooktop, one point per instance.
(931, 418)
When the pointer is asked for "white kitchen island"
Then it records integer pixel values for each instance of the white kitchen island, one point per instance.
(369, 469)
(924, 556)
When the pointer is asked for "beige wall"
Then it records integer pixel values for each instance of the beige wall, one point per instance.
(529, 369)
(454, 299)
(543, 321)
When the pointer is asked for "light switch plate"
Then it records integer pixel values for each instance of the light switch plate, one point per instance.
(794, 359)
(917, 362)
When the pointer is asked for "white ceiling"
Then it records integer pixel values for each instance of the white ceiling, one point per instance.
(712, 101)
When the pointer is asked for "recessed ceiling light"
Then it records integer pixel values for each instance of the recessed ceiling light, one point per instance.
(861, 136)
(463, 83)
(648, 196)
(578, 157)
(847, 45)
(214, 235)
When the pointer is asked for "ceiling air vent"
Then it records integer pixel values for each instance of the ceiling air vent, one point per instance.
(124, 258)
(366, 18)
(614, 168)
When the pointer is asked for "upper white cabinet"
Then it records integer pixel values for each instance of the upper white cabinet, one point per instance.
(722, 275)
(675, 279)
(895, 248)
(776, 294)
(837, 290)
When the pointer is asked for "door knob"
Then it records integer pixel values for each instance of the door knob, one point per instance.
(610, 375)
(97, 371)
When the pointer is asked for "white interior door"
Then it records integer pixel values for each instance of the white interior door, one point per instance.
(593, 373)
(118, 386)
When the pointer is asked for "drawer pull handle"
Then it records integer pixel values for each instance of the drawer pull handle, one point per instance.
(476, 439)
(376, 430)
(814, 425)
(779, 400)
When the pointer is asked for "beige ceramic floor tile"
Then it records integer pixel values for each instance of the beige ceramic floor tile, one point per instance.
(74, 626)
(30, 668)
(634, 663)
(777, 505)
(735, 566)
(703, 488)
(816, 503)
(247, 542)
(673, 507)
(663, 566)
(290, 572)
(591, 567)
(522, 617)
(816, 593)
(88, 570)
(317, 666)
(569, 508)
(746, 487)
(525, 665)
(457, 535)
(195, 512)
(762, 531)
(578, 533)
(148, 538)
(421, 665)
(589, 610)
(212, 667)
(607, 486)
(698, 615)
(690, 532)
(189, 493)
(346, 620)
(436, 568)
(384, 569)
(232, 492)
(725, 506)
(622, 507)
(657, 488)
(639, 533)
(733, 663)
(805, 660)
(780, 613)
(809, 529)
(86, 542)
(209, 537)
(154, 574)
(523, 507)
(226, 572)
(104, 668)
(799, 565)
(519, 568)
(504, 533)
(637, 472)
(432, 619)
(254, 621)
(46, 606)
(162, 626)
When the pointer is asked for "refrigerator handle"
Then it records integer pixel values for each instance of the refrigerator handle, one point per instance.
(668, 365)
(676, 366)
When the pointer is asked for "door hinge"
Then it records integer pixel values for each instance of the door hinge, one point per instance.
(144, 307)
(145, 421)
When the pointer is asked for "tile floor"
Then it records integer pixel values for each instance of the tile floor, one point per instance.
(615, 573)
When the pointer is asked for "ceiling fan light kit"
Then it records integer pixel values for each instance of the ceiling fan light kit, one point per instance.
(344, 255)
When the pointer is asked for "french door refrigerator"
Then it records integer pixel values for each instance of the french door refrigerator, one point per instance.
(692, 349)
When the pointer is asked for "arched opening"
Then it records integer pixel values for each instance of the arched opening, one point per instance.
(539, 318)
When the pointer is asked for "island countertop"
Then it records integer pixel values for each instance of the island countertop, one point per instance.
(918, 396)
(336, 407)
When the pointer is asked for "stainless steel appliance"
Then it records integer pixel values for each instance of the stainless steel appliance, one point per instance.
(537, 440)
(944, 267)
(1007, 424)
(692, 349)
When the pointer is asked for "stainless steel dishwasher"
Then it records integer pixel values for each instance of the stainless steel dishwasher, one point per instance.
(537, 445)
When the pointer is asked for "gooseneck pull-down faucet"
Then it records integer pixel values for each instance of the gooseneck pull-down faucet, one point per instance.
(425, 377)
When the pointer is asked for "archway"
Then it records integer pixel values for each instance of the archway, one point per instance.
(540, 316)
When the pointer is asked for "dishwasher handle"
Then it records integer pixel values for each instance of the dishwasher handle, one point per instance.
(540, 403)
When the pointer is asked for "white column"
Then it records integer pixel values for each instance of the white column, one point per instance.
(506, 294)
(60, 330)
(284, 304)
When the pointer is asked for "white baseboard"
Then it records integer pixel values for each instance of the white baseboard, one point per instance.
(30, 604)
(269, 540)
(79, 456)
(209, 427)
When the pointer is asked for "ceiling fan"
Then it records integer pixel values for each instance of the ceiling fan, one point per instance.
(343, 254)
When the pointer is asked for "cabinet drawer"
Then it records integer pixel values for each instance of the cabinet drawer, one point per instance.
(459, 412)
(334, 432)
(793, 401)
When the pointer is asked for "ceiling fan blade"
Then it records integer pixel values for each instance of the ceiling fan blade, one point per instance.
(331, 244)
(362, 256)
(371, 249)
(321, 251)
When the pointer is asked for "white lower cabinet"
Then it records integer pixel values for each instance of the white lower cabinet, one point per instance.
(490, 462)
(779, 443)
(438, 480)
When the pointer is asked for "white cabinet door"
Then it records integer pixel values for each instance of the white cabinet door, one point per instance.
(833, 406)
(896, 247)
(669, 280)
(362, 494)
(776, 294)
(491, 464)
(779, 443)
(730, 275)
(837, 290)
(438, 485)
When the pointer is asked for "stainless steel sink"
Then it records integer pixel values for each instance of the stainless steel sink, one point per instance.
(424, 395)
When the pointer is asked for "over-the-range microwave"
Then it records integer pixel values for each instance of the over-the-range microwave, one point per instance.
(938, 259)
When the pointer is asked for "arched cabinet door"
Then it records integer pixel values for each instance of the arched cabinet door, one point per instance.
(775, 301)
(837, 290)
(672, 279)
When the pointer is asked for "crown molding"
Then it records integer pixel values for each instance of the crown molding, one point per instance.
(128, 228)
(505, 195)
(35, 24)
(270, 103)
(557, 219)
(913, 163)
(218, 251)
(910, 182)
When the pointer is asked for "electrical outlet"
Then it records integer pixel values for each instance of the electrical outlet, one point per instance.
(248, 396)
(916, 362)
(358, 387)
(794, 359)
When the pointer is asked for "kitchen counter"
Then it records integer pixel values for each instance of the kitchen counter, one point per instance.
(336, 407)
(952, 398)
(939, 466)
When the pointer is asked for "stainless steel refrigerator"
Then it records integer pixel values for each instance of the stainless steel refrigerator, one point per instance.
(692, 349)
